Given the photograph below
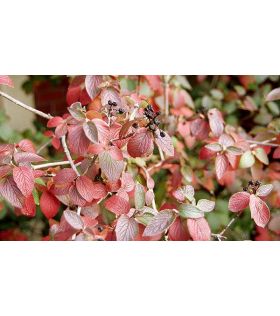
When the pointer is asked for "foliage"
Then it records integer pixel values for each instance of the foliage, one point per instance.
(151, 158)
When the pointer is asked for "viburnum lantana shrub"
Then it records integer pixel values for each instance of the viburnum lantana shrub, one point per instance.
(143, 161)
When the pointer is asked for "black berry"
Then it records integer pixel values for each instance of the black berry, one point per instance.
(162, 134)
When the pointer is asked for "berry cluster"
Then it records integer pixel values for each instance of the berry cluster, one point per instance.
(112, 107)
(252, 186)
(153, 119)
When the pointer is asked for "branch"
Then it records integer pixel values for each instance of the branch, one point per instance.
(68, 155)
(25, 106)
(53, 164)
(221, 236)
(264, 142)
(44, 146)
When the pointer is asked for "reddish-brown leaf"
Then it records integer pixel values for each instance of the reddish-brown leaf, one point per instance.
(77, 140)
(29, 208)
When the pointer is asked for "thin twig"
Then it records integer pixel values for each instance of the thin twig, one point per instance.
(68, 155)
(25, 106)
(165, 95)
(44, 146)
(221, 235)
(264, 142)
(53, 164)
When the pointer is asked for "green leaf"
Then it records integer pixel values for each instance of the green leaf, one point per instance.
(144, 218)
(36, 196)
(247, 160)
(139, 196)
(190, 211)
(261, 155)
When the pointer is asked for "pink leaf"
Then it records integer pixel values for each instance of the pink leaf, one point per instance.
(7, 81)
(141, 144)
(49, 204)
(177, 231)
(216, 122)
(85, 188)
(126, 228)
(264, 190)
(216, 147)
(110, 167)
(164, 141)
(117, 205)
(73, 219)
(91, 131)
(77, 140)
(27, 145)
(226, 140)
(24, 179)
(99, 190)
(54, 122)
(23, 157)
(110, 94)
(259, 211)
(75, 197)
(199, 128)
(10, 192)
(221, 165)
(92, 83)
(5, 170)
(66, 175)
(160, 222)
(276, 153)
(127, 182)
(199, 229)
(273, 95)
(239, 201)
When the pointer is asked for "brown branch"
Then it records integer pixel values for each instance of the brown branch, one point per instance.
(68, 155)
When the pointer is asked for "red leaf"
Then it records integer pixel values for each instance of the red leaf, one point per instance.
(85, 188)
(126, 228)
(77, 140)
(7, 81)
(216, 122)
(29, 208)
(117, 205)
(23, 157)
(66, 175)
(276, 153)
(75, 197)
(199, 128)
(155, 83)
(160, 222)
(141, 144)
(92, 83)
(5, 170)
(221, 165)
(61, 129)
(49, 204)
(10, 192)
(164, 141)
(177, 231)
(99, 190)
(259, 211)
(24, 179)
(206, 154)
(238, 201)
(199, 229)
(54, 121)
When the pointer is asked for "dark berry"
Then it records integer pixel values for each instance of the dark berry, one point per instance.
(245, 189)
(121, 111)
(100, 229)
(114, 103)
(110, 102)
(162, 134)
(100, 239)
(250, 182)
(158, 113)
(257, 182)
(135, 125)
(156, 121)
